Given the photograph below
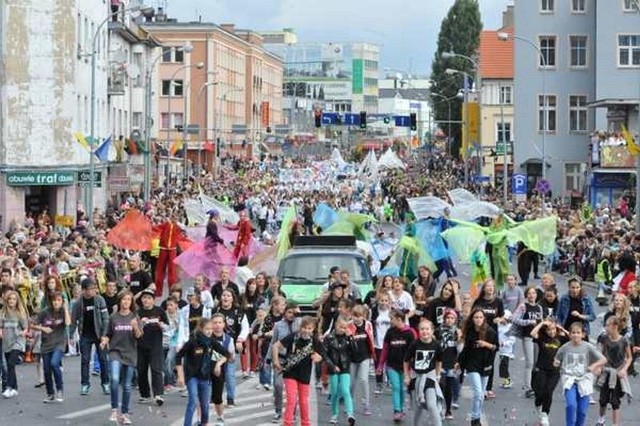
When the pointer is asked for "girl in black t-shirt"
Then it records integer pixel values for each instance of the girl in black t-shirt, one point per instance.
(545, 374)
(424, 357)
(302, 351)
(448, 336)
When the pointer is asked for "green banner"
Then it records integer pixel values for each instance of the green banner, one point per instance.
(357, 82)
(40, 178)
(306, 294)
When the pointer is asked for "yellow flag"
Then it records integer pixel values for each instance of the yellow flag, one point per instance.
(176, 146)
(81, 140)
(633, 147)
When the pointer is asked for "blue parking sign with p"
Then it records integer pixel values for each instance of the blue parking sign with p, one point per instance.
(519, 184)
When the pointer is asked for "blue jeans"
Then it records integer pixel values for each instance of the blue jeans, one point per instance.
(478, 385)
(397, 389)
(117, 368)
(230, 378)
(199, 393)
(265, 373)
(577, 406)
(169, 365)
(86, 343)
(96, 362)
(52, 366)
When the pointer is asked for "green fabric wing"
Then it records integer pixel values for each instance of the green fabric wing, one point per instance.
(413, 246)
(539, 235)
(284, 242)
(464, 239)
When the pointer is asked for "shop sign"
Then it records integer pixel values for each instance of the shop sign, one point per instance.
(40, 178)
(84, 179)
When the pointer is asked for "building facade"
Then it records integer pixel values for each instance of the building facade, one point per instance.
(336, 77)
(497, 117)
(401, 94)
(553, 75)
(46, 50)
(228, 85)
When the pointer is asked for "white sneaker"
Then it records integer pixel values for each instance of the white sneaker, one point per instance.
(114, 416)
(544, 419)
(6, 393)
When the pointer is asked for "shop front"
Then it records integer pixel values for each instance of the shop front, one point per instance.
(33, 192)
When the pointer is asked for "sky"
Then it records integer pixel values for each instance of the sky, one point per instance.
(405, 30)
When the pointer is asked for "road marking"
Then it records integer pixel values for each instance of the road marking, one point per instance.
(85, 412)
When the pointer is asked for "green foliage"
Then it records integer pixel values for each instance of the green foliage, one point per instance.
(459, 33)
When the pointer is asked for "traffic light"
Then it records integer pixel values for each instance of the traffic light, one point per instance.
(413, 118)
(363, 119)
(318, 118)
(386, 119)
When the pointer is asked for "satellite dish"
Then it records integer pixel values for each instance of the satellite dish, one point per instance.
(133, 71)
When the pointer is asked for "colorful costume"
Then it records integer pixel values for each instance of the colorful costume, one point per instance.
(245, 236)
(170, 235)
(207, 256)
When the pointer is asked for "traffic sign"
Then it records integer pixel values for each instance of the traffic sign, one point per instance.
(84, 178)
(543, 186)
(519, 184)
(329, 118)
(402, 120)
(351, 119)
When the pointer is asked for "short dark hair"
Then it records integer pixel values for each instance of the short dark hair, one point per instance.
(291, 305)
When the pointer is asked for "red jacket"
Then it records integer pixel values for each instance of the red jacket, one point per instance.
(170, 235)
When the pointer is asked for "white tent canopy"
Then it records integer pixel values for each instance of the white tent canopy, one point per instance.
(369, 165)
(389, 160)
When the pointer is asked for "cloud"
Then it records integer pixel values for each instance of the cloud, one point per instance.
(405, 30)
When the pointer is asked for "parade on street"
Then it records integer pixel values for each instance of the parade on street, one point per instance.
(429, 216)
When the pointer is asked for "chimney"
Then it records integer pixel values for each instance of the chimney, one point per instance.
(507, 17)
(230, 28)
(161, 16)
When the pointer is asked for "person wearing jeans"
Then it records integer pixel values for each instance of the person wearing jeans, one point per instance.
(52, 323)
(91, 316)
(477, 356)
(14, 325)
(199, 391)
(363, 353)
(122, 338)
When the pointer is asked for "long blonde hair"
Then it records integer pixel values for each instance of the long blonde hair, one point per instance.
(624, 313)
(20, 310)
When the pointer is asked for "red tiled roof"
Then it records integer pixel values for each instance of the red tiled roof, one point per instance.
(496, 56)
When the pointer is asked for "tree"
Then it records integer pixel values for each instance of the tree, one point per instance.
(459, 33)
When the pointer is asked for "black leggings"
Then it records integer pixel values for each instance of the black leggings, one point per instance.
(217, 387)
(543, 384)
(449, 386)
(378, 376)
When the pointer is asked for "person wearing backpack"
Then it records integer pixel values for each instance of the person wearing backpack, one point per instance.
(204, 357)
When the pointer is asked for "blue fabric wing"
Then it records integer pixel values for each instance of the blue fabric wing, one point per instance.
(325, 216)
(428, 233)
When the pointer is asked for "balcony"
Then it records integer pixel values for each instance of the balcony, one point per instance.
(609, 151)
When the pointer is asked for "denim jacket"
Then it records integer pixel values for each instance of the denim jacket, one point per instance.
(100, 316)
(587, 310)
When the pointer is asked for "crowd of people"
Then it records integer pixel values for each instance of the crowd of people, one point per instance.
(72, 292)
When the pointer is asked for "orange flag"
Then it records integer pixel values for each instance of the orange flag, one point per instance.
(134, 232)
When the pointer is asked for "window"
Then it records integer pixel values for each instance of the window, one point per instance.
(506, 95)
(578, 6)
(172, 87)
(503, 133)
(577, 113)
(573, 177)
(578, 48)
(546, 6)
(171, 54)
(136, 119)
(629, 50)
(629, 6)
(548, 49)
(171, 121)
(551, 113)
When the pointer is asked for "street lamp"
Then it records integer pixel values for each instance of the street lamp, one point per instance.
(450, 55)
(217, 124)
(198, 65)
(204, 85)
(505, 37)
(148, 119)
(94, 65)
